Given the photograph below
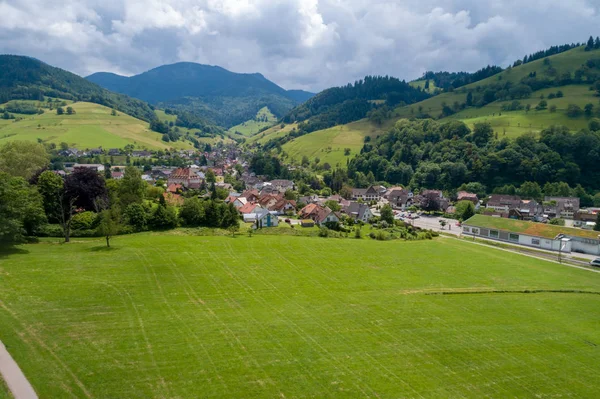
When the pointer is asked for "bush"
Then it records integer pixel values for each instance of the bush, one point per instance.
(357, 233)
(136, 216)
(84, 221)
(323, 232)
(163, 217)
(382, 236)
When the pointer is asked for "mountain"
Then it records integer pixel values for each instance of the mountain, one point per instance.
(223, 97)
(25, 78)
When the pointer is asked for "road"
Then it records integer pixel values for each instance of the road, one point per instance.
(14, 377)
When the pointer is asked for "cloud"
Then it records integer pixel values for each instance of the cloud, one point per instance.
(309, 44)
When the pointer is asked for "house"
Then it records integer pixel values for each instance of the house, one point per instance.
(319, 214)
(282, 185)
(283, 206)
(251, 195)
(432, 199)
(94, 166)
(249, 207)
(174, 188)
(265, 218)
(184, 176)
(310, 199)
(400, 198)
(586, 218)
(358, 211)
(503, 203)
(141, 154)
(466, 196)
(561, 207)
(117, 175)
(371, 193)
(531, 234)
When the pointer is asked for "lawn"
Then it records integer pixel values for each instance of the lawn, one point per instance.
(91, 126)
(268, 316)
(532, 228)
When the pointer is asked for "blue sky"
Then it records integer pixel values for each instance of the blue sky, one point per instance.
(304, 44)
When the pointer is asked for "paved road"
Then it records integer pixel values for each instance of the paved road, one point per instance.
(14, 377)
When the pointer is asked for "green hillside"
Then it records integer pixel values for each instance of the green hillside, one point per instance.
(91, 126)
(514, 123)
(421, 83)
(508, 124)
(273, 132)
(25, 78)
(330, 145)
(264, 118)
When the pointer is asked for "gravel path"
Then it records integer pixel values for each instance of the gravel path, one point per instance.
(14, 377)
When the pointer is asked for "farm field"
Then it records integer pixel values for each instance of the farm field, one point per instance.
(91, 126)
(328, 145)
(274, 316)
(264, 118)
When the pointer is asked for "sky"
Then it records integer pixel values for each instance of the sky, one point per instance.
(298, 44)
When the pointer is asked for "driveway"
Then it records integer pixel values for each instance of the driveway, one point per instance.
(433, 223)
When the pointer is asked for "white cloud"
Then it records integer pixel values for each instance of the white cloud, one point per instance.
(310, 44)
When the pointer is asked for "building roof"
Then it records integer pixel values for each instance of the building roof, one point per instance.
(183, 173)
(529, 228)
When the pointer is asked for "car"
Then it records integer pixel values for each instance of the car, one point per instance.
(287, 221)
(595, 262)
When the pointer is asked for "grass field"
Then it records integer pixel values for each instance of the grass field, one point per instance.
(421, 83)
(272, 133)
(92, 126)
(269, 316)
(264, 118)
(329, 144)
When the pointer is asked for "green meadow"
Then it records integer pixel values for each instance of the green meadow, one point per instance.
(264, 118)
(182, 316)
(91, 126)
(329, 145)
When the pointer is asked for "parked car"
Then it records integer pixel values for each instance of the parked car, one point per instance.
(595, 262)
(287, 221)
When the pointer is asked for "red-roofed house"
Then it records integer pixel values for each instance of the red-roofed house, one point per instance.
(184, 176)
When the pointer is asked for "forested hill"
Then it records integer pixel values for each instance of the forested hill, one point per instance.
(211, 92)
(25, 78)
(339, 105)
(446, 155)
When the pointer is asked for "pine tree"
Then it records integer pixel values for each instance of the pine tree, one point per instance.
(597, 43)
(590, 44)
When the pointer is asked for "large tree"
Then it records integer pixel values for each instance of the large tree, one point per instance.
(387, 214)
(59, 204)
(23, 158)
(131, 187)
(465, 209)
(88, 188)
(21, 210)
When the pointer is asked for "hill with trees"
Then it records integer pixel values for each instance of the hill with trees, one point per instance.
(560, 88)
(213, 93)
(25, 78)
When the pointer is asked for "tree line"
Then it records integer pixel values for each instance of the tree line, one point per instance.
(35, 201)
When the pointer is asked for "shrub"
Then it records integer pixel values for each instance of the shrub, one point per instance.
(323, 232)
(84, 221)
(357, 233)
(136, 216)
